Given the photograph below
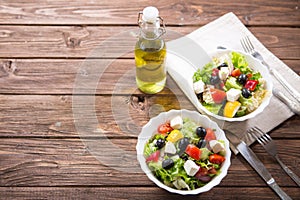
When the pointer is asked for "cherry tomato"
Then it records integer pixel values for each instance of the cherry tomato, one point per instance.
(251, 84)
(249, 76)
(212, 171)
(236, 72)
(215, 72)
(210, 135)
(218, 95)
(216, 159)
(201, 172)
(221, 85)
(164, 128)
(193, 151)
(154, 156)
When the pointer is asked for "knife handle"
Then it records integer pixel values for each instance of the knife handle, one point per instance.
(278, 190)
(288, 171)
(295, 107)
(285, 84)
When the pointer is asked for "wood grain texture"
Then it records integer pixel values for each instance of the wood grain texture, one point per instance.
(140, 192)
(53, 115)
(74, 162)
(176, 12)
(48, 149)
(82, 41)
(58, 76)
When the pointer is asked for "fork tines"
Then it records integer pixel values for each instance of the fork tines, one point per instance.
(247, 44)
(259, 135)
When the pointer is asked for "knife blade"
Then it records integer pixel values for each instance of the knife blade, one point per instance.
(253, 160)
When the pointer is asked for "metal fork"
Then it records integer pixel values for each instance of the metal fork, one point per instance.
(268, 144)
(249, 48)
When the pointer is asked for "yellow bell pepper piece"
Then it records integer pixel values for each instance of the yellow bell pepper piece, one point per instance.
(231, 108)
(174, 136)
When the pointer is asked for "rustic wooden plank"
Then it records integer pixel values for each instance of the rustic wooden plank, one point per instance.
(190, 12)
(147, 193)
(68, 162)
(277, 41)
(58, 76)
(81, 41)
(53, 115)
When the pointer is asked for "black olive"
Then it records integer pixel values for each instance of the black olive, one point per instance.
(201, 132)
(160, 143)
(242, 79)
(201, 143)
(200, 97)
(214, 80)
(246, 93)
(222, 65)
(184, 157)
(167, 164)
(182, 144)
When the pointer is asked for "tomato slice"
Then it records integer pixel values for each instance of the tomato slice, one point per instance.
(164, 128)
(212, 171)
(216, 159)
(210, 135)
(249, 76)
(218, 95)
(202, 172)
(193, 151)
(236, 72)
(251, 84)
(154, 156)
(215, 72)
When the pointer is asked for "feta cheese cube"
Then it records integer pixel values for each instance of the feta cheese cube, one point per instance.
(207, 97)
(223, 73)
(170, 148)
(176, 184)
(175, 158)
(191, 167)
(180, 184)
(199, 86)
(262, 82)
(216, 146)
(176, 122)
(254, 105)
(233, 94)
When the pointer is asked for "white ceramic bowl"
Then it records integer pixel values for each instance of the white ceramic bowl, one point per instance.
(150, 129)
(255, 65)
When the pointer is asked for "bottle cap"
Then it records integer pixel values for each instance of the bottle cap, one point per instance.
(150, 14)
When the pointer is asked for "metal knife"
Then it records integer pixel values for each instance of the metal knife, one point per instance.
(252, 159)
(295, 107)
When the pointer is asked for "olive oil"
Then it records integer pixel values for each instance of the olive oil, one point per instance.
(150, 65)
(150, 53)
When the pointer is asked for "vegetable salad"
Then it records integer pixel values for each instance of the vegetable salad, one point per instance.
(184, 155)
(229, 87)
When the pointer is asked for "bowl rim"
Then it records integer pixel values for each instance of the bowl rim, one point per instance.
(261, 68)
(200, 117)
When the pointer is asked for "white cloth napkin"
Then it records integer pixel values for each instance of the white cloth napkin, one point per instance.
(227, 31)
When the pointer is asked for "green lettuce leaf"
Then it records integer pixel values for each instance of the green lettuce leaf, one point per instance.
(240, 62)
(204, 74)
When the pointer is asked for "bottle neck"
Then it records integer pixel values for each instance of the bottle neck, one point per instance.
(151, 30)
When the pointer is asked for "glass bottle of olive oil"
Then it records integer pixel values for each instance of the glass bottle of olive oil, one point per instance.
(150, 52)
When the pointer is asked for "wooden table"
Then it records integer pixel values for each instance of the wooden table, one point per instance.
(42, 47)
